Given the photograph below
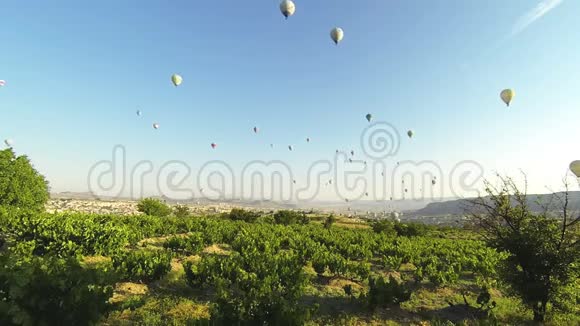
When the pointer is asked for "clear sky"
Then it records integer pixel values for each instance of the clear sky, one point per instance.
(77, 71)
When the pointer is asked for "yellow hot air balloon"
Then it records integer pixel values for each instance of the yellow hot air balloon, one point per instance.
(336, 34)
(575, 168)
(287, 8)
(176, 79)
(507, 95)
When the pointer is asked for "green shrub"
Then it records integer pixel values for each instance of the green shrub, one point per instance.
(142, 266)
(153, 207)
(410, 229)
(237, 214)
(382, 293)
(286, 217)
(51, 290)
(20, 184)
(384, 226)
(329, 221)
(255, 288)
(192, 244)
(64, 234)
(181, 211)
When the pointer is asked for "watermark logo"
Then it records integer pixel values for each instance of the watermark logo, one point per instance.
(370, 172)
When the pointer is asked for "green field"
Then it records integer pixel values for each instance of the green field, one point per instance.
(213, 270)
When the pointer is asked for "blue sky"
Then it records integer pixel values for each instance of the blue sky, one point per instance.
(77, 71)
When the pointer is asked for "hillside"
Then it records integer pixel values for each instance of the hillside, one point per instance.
(460, 207)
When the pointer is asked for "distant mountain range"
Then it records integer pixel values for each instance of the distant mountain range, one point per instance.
(463, 206)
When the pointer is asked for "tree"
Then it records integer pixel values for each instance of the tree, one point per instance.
(20, 184)
(153, 207)
(543, 247)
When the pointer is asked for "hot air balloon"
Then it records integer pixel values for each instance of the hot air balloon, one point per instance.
(176, 80)
(410, 133)
(139, 113)
(336, 34)
(575, 168)
(366, 194)
(307, 140)
(290, 148)
(352, 153)
(406, 190)
(507, 95)
(294, 181)
(287, 8)
(337, 151)
(213, 145)
(156, 126)
(433, 182)
(256, 130)
(2, 83)
(8, 142)
(369, 117)
(350, 160)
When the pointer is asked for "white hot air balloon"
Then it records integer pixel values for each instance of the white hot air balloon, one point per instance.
(176, 80)
(156, 126)
(288, 8)
(575, 168)
(8, 142)
(336, 34)
(2, 82)
(290, 148)
(507, 95)
(139, 113)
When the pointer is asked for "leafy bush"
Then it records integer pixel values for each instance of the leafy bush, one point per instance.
(410, 229)
(20, 184)
(329, 221)
(181, 211)
(255, 288)
(142, 266)
(153, 207)
(382, 293)
(192, 244)
(286, 217)
(384, 226)
(65, 234)
(237, 214)
(51, 290)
